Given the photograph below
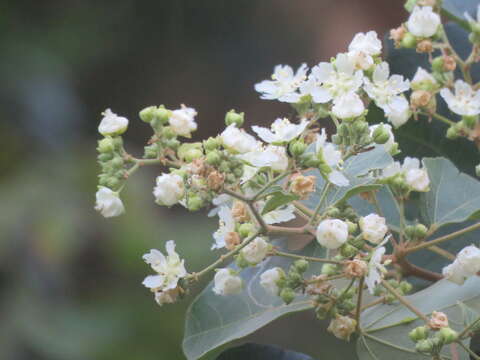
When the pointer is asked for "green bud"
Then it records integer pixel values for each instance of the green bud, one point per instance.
(105, 157)
(348, 250)
(452, 133)
(106, 145)
(352, 227)
(173, 144)
(399, 184)
(297, 148)
(424, 346)
(360, 127)
(224, 166)
(343, 130)
(437, 64)
(409, 41)
(163, 114)
(193, 154)
(420, 231)
(410, 231)
(113, 182)
(333, 212)
(380, 135)
(410, 4)
(358, 242)
(233, 117)
(470, 121)
(185, 148)
(301, 265)
(211, 144)
(419, 333)
(287, 295)
(168, 133)
(241, 262)
(390, 298)
(151, 151)
(180, 172)
(310, 160)
(322, 312)
(347, 305)
(213, 158)
(246, 230)
(393, 283)
(238, 172)
(294, 278)
(406, 287)
(336, 139)
(118, 142)
(329, 269)
(116, 162)
(148, 114)
(230, 178)
(447, 335)
(474, 37)
(194, 202)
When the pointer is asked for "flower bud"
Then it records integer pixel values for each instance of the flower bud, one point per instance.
(333, 212)
(273, 280)
(438, 320)
(310, 160)
(424, 46)
(452, 133)
(419, 333)
(194, 201)
(169, 189)
(302, 185)
(360, 127)
(342, 327)
(232, 239)
(373, 228)
(246, 229)
(332, 233)
(470, 121)
(112, 124)
(355, 268)
(211, 144)
(108, 203)
(297, 147)
(215, 180)
(424, 346)
(408, 41)
(329, 269)
(348, 251)
(147, 114)
(213, 158)
(240, 260)
(420, 98)
(380, 135)
(420, 231)
(287, 294)
(405, 286)
(227, 282)
(256, 251)
(301, 265)
(106, 145)
(192, 154)
(233, 117)
(397, 34)
(447, 335)
(294, 278)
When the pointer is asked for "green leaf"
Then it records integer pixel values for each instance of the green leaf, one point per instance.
(385, 329)
(261, 352)
(213, 320)
(278, 199)
(453, 197)
(357, 169)
(455, 9)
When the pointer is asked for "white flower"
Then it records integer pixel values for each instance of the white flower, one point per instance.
(218, 202)
(169, 189)
(368, 43)
(373, 228)
(256, 250)
(332, 233)
(342, 327)
(282, 130)
(360, 60)
(279, 215)
(182, 121)
(284, 84)
(328, 81)
(271, 278)
(112, 124)
(272, 156)
(375, 269)
(227, 225)
(348, 106)
(469, 260)
(454, 273)
(391, 140)
(422, 75)
(227, 283)
(332, 157)
(248, 173)
(466, 101)
(170, 268)
(415, 176)
(238, 140)
(108, 202)
(423, 22)
(385, 90)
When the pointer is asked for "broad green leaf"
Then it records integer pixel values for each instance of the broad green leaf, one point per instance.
(453, 197)
(214, 320)
(278, 199)
(385, 327)
(263, 352)
(455, 10)
(357, 169)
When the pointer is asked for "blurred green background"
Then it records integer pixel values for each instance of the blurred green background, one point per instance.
(70, 281)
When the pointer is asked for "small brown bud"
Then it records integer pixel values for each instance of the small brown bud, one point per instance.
(424, 46)
(215, 180)
(449, 63)
(420, 98)
(240, 212)
(342, 327)
(438, 320)
(232, 239)
(196, 167)
(167, 297)
(355, 268)
(397, 34)
(310, 138)
(318, 285)
(302, 185)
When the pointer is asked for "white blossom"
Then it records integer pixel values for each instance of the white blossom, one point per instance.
(373, 228)
(375, 269)
(390, 144)
(169, 269)
(227, 225)
(227, 282)
(332, 233)
(272, 156)
(112, 124)
(218, 202)
(422, 75)
(348, 106)
(279, 215)
(108, 203)
(469, 260)
(182, 121)
(256, 250)
(328, 81)
(386, 91)
(281, 131)
(238, 140)
(415, 176)
(169, 189)
(284, 84)
(332, 157)
(465, 101)
(423, 22)
(362, 48)
(270, 279)
(454, 273)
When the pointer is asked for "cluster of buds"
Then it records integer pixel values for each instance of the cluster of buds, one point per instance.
(401, 287)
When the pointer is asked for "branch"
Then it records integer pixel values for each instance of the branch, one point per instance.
(404, 301)
(308, 258)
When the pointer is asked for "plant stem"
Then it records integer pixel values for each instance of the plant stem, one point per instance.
(269, 184)
(443, 238)
(359, 302)
(320, 203)
(438, 250)
(439, 117)
(308, 258)
(404, 301)
(467, 349)
(468, 328)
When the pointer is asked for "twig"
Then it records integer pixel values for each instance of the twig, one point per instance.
(308, 258)
(404, 301)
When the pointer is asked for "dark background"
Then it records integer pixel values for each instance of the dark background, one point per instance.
(70, 281)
